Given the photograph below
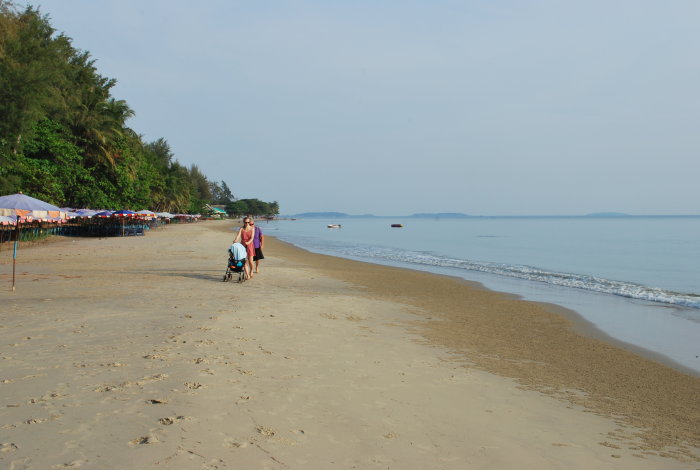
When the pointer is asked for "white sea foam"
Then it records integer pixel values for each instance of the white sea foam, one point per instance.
(529, 273)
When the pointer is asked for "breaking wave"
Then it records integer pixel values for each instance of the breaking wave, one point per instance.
(529, 273)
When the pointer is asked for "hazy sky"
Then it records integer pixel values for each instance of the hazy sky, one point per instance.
(394, 107)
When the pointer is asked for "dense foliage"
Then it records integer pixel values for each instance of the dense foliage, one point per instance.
(64, 138)
(251, 206)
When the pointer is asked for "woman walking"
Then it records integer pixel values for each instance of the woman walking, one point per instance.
(258, 243)
(245, 236)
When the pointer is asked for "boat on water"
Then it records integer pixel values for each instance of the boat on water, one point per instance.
(397, 225)
(334, 225)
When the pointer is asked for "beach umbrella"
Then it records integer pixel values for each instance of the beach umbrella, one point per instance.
(25, 207)
(124, 213)
(103, 214)
(85, 212)
(22, 206)
(146, 213)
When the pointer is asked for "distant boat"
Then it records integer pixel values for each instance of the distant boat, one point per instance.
(397, 225)
(334, 225)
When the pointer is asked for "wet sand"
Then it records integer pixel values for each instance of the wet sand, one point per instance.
(132, 351)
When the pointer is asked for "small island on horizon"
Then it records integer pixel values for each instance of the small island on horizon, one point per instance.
(459, 215)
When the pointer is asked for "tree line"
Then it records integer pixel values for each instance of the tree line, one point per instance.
(64, 138)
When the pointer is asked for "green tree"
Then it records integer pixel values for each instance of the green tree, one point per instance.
(237, 208)
(64, 137)
(30, 69)
(178, 189)
(220, 193)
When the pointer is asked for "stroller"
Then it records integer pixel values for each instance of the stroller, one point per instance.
(236, 263)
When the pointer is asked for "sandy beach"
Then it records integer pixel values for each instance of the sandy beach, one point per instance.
(132, 353)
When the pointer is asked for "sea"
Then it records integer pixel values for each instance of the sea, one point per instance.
(636, 279)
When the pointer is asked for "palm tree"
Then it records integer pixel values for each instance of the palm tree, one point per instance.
(99, 123)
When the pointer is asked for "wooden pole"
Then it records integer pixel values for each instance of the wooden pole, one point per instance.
(14, 254)
(14, 265)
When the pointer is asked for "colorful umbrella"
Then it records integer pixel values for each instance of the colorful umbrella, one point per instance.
(124, 213)
(22, 206)
(7, 220)
(85, 212)
(25, 207)
(146, 213)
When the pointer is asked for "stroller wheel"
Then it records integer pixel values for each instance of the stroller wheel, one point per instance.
(225, 277)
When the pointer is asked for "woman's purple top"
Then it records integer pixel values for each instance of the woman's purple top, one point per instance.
(256, 238)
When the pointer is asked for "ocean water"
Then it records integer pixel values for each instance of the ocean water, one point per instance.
(637, 279)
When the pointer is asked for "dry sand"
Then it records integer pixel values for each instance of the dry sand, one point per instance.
(131, 353)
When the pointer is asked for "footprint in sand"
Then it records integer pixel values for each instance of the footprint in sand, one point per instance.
(7, 447)
(194, 385)
(168, 420)
(46, 397)
(156, 401)
(155, 356)
(132, 383)
(268, 432)
(35, 420)
(73, 464)
(235, 444)
(143, 440)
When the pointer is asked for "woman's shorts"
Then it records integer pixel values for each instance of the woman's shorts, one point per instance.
(258, 254)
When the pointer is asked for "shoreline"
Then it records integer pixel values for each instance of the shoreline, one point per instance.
(580, 323)
(587, 351)
(585, 327)
(132, 351)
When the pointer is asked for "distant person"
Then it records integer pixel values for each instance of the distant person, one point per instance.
(258, 243)
(245, 236)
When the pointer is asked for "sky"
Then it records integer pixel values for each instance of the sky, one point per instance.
(513, 107)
